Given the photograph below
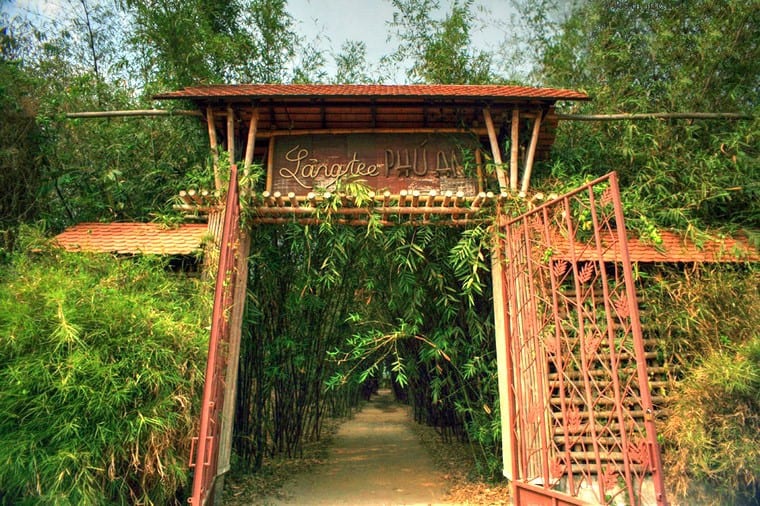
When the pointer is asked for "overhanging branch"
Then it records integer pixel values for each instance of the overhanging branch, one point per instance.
(655, 115)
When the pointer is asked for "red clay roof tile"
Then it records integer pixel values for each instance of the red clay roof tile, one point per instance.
(133, 238)
(674, 248)
(421, 91)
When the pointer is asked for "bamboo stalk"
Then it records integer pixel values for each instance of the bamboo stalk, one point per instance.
(251, 142)
(231, 134)
(495, 150)
(479, 167)
(131, 113)
(341, 131)
(531, 154)
(429, 203)
(214, 146)
(275, 210)
(655, 115)
(447, 198)
(380, 198)
(363, 222)
(514, 150)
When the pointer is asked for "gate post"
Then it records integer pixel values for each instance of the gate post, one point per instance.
(501, 331)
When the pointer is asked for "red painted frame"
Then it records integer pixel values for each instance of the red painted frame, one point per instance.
(203, 457)
(581, 414)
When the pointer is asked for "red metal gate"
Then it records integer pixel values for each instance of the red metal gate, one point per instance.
(579, 408)
(204, 451)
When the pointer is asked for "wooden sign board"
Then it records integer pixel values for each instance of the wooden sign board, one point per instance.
(393, 162)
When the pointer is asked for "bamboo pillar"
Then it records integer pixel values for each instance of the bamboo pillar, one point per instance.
(251, 142)
(495, 150)
(514, 150)
(502, 335)
(214, 146)
(531, 152)
(231, 134)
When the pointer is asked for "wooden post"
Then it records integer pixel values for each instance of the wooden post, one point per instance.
(531, 153)
(501, 334)
(495, 150)
(214, 146)
(514, 150)
(231, 134)
(233, 355)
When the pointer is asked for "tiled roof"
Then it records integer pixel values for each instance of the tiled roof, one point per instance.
(674, 248)
(372, 91)
(133, 238)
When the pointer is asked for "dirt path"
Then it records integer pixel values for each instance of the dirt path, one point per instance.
(375, 459)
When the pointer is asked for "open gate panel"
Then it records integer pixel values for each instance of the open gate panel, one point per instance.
(581, 414)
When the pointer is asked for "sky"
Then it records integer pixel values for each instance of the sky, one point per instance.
(329, 23)
(367, 21)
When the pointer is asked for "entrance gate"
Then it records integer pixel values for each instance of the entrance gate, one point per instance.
(576, 412)
(579, 415)
(579, 410)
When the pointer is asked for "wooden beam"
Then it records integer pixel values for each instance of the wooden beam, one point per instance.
(655, 115)
(495, 150)
(132, 113)
(214, 146)
(514, 158)
(531, 154)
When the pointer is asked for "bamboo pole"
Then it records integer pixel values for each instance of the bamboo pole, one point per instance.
(501, 331)
(358, 222)
(251, 142)
(385, 197)
(655, 115)
(514, 150)
(531, 154)
(495, 149)
(214, 146)
(231, 134)
(131, 113)
(340, 131)
(479, 167)
(277, 209)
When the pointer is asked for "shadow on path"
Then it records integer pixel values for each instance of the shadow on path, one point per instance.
(374, 459)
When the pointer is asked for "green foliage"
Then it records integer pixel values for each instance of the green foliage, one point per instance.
(19, 145)
(439, 51)
(712, 443)
(706, 321)
(672, 57)
(101, 365)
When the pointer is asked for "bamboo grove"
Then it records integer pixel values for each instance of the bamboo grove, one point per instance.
(334, 310)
